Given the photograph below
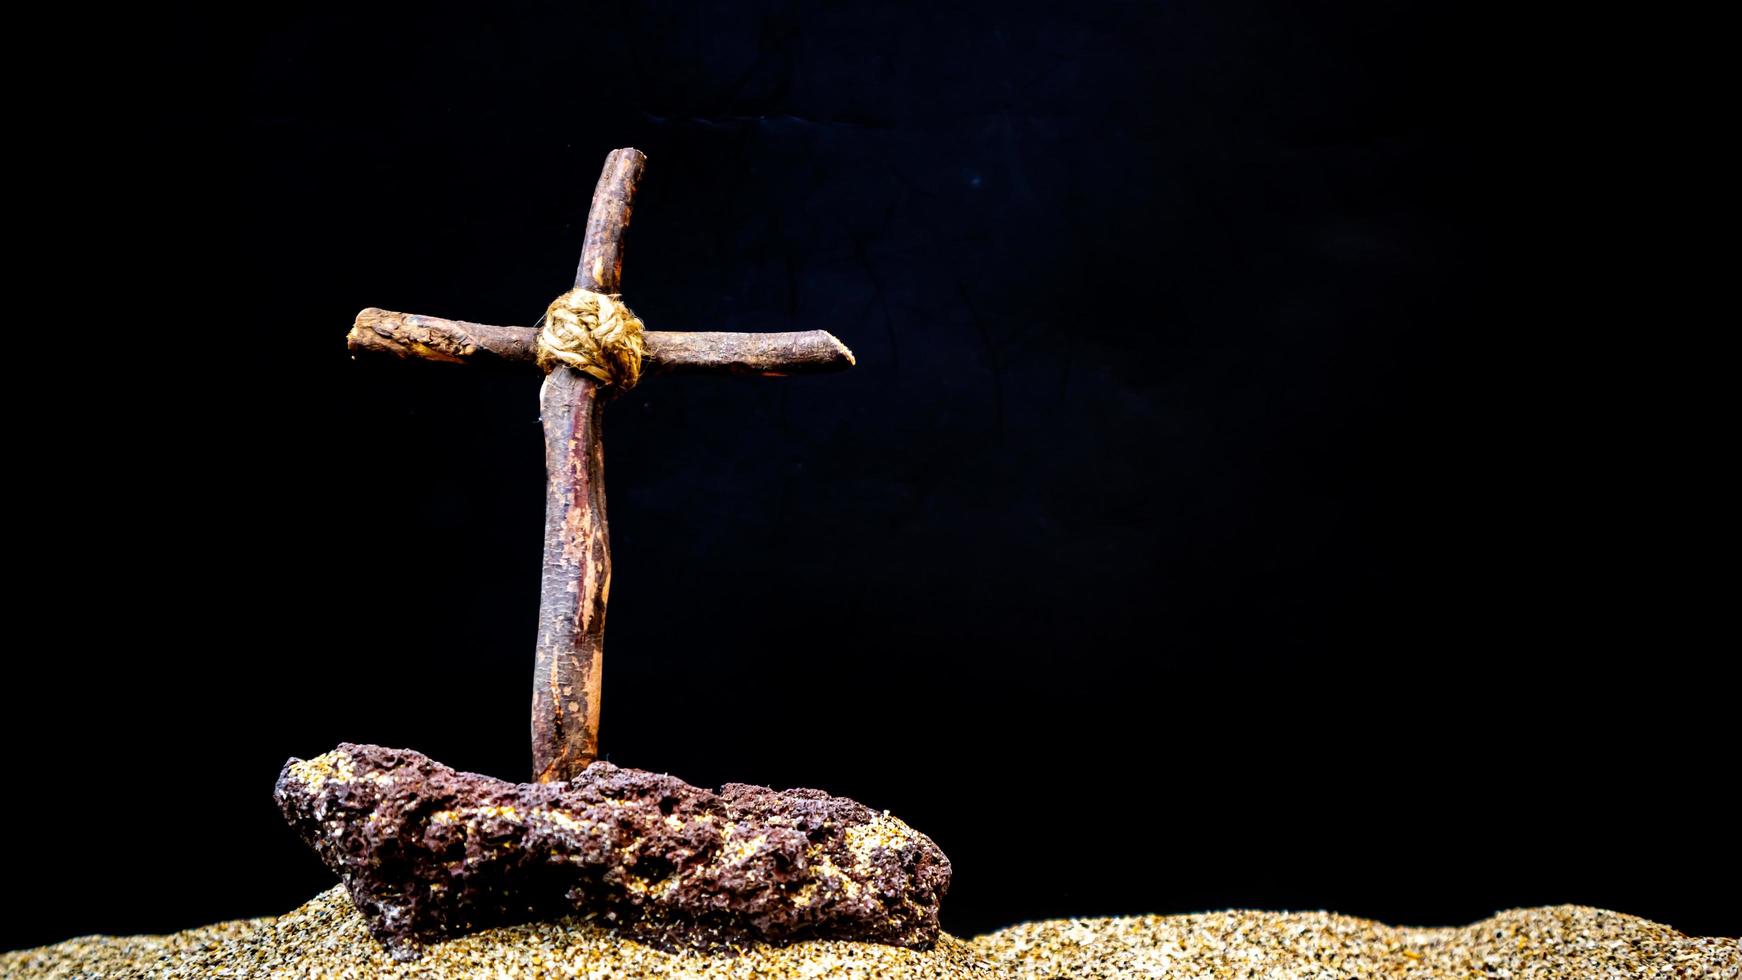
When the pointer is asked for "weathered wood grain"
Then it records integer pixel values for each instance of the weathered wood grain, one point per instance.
(577, 543)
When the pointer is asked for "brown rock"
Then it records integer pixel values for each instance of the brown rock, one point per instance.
(427, 852)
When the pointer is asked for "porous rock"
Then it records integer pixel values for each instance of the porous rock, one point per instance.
(427, 852)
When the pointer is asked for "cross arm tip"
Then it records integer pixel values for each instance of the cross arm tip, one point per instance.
(846, 352)
(766, 354)
(429, 338)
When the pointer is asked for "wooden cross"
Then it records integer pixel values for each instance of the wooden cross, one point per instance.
(577, 548)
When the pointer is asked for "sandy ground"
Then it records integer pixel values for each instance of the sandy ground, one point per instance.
(326, 938)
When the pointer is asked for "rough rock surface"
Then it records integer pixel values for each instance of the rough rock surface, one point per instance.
(328, 938)
(427, 853)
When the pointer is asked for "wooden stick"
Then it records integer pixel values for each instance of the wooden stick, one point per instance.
(577, 544)
(410, 336)
(765, 354)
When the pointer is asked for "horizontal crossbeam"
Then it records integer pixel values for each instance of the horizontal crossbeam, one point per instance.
(410, 336)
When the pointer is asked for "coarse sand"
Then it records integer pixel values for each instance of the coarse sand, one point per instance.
(326, 938)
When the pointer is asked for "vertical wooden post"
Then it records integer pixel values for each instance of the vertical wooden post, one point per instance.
(577, 543)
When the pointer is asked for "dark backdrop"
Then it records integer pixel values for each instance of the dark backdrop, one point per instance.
(1240, 499)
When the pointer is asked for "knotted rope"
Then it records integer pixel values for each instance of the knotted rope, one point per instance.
(594, 333)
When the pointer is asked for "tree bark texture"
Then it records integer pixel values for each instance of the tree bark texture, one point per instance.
(576, 581)
(412, 337)
(577, 544)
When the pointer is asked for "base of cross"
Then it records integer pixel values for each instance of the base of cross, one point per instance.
(428, 853)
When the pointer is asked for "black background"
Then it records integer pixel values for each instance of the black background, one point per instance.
(1267, 479)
